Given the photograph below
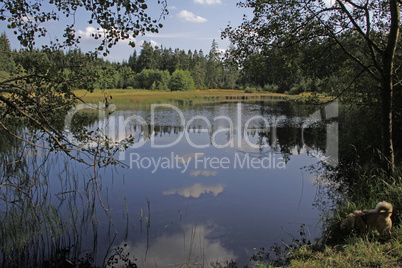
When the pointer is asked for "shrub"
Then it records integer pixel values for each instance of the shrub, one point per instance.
(306, 85)
(249, 90)
(181, 81)
(271, 88)
(295, 90)
(152, 79)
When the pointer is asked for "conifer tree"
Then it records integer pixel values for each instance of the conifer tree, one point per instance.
(7, 64)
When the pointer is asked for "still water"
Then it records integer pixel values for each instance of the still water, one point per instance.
(201, 184)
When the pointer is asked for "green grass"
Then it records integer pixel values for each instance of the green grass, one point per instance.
(130, 96)
(339, 249)
(357, 252)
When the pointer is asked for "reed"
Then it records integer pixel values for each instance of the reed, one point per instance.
(339, 249)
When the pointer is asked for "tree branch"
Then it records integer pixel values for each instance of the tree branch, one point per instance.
(358, 28)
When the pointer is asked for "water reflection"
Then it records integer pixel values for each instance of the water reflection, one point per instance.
(196, 190)
(229, 180)
(194, 245)
(205, 173)
(40, 223)
(274, 127)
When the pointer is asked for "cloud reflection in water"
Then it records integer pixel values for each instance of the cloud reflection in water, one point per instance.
(190, 247)
(205, 173)
(196, 190)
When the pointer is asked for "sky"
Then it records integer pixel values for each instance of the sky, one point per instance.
(190, 25)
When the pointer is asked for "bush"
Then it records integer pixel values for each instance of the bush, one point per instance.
(271, 88)
(295, 90)
(181, 81)
(152, 79)
(306, 85)
(249, 90)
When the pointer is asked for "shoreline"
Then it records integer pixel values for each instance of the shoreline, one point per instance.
(134, 96)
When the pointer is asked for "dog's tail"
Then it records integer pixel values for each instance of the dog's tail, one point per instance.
(384, 206)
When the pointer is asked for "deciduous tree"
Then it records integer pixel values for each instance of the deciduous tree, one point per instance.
(283, 23)
(43, 93)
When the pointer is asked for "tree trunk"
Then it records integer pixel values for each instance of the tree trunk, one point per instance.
(387, 125)
(387, 87)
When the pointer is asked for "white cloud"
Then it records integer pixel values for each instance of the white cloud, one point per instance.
(221, 51)
(196, 190)
(27, 18)
(190, 17)
(153, 43)
(89, 31)
(208, 2)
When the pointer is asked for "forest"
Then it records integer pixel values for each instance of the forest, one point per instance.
(312, 66)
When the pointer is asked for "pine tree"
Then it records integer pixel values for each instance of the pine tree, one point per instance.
(198, 69)
(214, 67)
(132, 61)
(7, 64)
(146, 59)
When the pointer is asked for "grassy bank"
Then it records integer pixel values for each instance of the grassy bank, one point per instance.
(123, 96)
(356, 249)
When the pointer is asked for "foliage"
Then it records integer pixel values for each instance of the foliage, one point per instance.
(310, 66)
(7, 64)
(249, 89)
(117, 20)
(271, 88)
(152, 79)
(366, 33)
(181, 81)
(39, 88)
(150, 70)
(213, 67)
(208, 71)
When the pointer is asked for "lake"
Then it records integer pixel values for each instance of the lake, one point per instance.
(201, 184)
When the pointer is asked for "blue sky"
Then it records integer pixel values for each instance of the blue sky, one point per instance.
(190, 25)
(193, 24)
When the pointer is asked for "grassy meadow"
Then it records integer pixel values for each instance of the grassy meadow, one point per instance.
(133, 96)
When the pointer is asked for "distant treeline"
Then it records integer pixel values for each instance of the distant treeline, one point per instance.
(152, 69)
(312, 66)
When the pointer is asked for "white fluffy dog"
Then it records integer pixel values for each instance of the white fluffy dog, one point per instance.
(379, 218)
